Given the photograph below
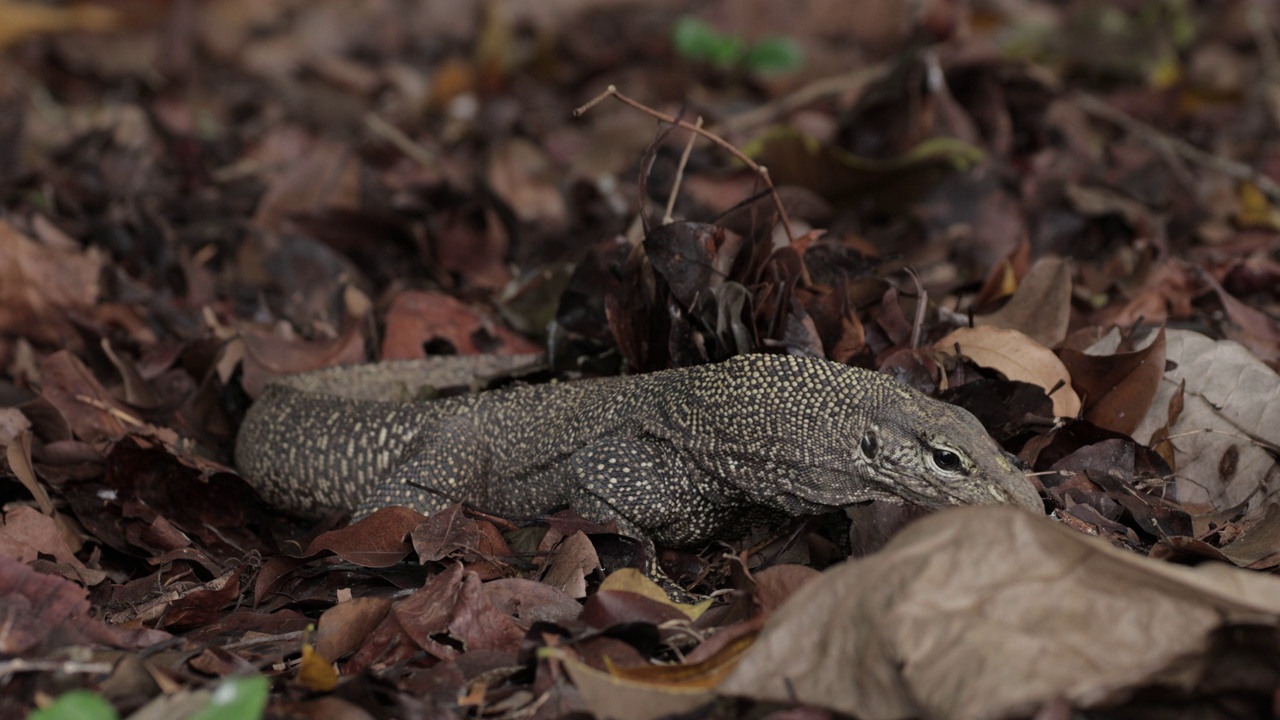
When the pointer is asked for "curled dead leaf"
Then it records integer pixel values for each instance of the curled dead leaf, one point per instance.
(1018, 357)
(1118, 386)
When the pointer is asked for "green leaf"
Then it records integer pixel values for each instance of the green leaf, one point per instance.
(77, 705)
(242, 698)
(774, 55)
(695, 40)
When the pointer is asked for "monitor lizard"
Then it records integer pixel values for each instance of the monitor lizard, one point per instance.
(677, 457)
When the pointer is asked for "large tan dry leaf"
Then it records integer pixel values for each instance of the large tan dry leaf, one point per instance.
(1018, 357)
(1041, 306)
(1232, 399)
(990, 612)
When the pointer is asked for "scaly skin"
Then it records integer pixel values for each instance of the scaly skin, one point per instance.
(677, 457)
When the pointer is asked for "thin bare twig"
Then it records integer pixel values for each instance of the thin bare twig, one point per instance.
(66, 667)
(1272, 447)
(403, 143)
(922, 299)
(759, 169)
(844, 84)
(675, 186)
(1268, 48)
(116, 413)
(1181, 148)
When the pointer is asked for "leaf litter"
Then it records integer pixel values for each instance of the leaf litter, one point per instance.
(1080, 247)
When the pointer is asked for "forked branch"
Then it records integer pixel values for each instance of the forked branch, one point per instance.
(697, 129)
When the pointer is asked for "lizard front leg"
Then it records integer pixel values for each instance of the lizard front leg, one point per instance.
(649, 489)
(446, 465)
(647, 485)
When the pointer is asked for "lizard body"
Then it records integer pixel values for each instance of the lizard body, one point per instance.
(677, 457)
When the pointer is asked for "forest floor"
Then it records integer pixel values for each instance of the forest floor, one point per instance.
(1063, 216)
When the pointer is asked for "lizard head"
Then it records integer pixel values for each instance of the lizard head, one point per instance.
(935, 454)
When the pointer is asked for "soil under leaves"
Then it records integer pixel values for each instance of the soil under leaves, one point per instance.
(1064, 217)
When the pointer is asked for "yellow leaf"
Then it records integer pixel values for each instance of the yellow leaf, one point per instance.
(1166, 72)
(614, 697)
(704, 675)
(633, 581)
(315, 672)
(20, 20)
(1255, 209)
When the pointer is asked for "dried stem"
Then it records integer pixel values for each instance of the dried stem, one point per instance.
(761, 170)
(922, 300)
(675, 186)
(396, 137)
(1178, 147)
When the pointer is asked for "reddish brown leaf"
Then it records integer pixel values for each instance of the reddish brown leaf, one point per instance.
(528, 601)
(452, 615)
(92, 413)
(418, 320)
(1117, 388)
(202, 604)
(25, 534)
(614, 607)
(43, 287)
(39, 609)
(380, 540)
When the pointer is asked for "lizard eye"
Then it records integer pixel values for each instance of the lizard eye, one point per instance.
(946, 460)
(869, 445)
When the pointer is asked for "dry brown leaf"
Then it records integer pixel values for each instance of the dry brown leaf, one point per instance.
(324, 177)
(265, 354)
(776, 583)
(704, 674)
(529, 601)
(91, 412)
(1118, 387)
(42, 286)
(990, 612)
(1231, 402)
(344, 626)
(18, 453)
(452, 614)
(378, 540)
(1249, 326)
(1041, 306)
(419, 317)
(524, 178)
(1258, 546)
(1018, 357)
(572, 560)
